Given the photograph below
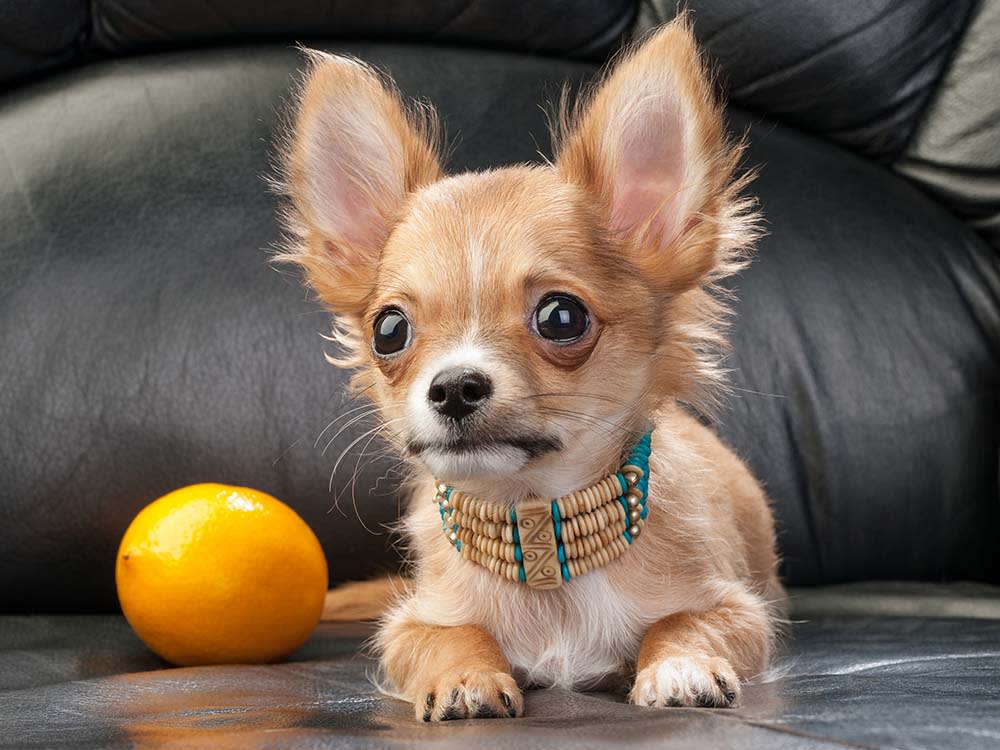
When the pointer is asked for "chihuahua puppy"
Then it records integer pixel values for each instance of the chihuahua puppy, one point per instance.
(519, 330)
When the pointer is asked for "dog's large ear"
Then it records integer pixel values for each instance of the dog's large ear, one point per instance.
(650, 145)
(356, 153)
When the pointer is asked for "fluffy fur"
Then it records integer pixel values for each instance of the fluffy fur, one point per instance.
(639, 216)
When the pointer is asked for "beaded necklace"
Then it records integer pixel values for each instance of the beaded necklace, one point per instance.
(544, 542)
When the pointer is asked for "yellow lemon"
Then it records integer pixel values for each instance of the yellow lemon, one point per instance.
(213, 574)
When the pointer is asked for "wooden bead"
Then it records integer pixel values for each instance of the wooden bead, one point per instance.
(589, 499)
(561, 504)
(586, 544)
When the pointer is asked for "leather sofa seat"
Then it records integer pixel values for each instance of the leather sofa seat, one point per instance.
(858, 671)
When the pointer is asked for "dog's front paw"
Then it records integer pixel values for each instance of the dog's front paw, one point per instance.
(687, 681)
(471, 695)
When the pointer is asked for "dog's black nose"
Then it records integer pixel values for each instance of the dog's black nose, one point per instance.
(457, 392)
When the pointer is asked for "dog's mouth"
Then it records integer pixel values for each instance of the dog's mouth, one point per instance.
(532, 446)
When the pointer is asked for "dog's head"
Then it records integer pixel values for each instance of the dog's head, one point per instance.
(519, 321)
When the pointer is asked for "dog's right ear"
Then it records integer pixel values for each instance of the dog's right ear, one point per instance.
(650, 144)
(356, 153)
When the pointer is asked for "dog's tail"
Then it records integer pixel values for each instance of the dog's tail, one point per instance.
(363, 600)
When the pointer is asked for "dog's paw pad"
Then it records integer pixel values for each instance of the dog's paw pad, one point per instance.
(471, 695)
(702, 681)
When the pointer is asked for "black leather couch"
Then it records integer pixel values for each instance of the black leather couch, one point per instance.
(147, 344)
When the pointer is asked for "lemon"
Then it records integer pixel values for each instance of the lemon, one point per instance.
(213, 574)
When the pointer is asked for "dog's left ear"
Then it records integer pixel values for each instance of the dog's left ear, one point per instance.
(650, 145)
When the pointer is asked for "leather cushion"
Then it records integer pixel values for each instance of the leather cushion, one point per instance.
(866, 371)
(148, 345)
(841, 680)
(859, 72)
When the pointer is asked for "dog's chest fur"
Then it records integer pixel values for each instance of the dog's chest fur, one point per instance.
(577, 636)
(588, 633)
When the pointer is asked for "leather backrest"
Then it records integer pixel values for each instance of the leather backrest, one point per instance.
(147, 344)
(859, 72)
(38, 35)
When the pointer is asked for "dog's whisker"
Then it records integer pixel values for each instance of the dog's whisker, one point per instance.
(357, 440)
(347, 425)
(588, 396)
(354, 481)
(606, 424)
(342, 416)
(388, 450)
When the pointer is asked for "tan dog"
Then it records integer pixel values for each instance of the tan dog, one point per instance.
(518, 330)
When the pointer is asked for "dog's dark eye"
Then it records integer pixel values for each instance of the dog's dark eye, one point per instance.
(392, 332)
(559, 317)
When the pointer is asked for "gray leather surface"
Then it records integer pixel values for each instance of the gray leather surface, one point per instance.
(898, 599)
(844, 680)
(955, 152)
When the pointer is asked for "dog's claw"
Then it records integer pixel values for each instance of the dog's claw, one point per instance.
(472, 695)
(428, 706)
(509, 705)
